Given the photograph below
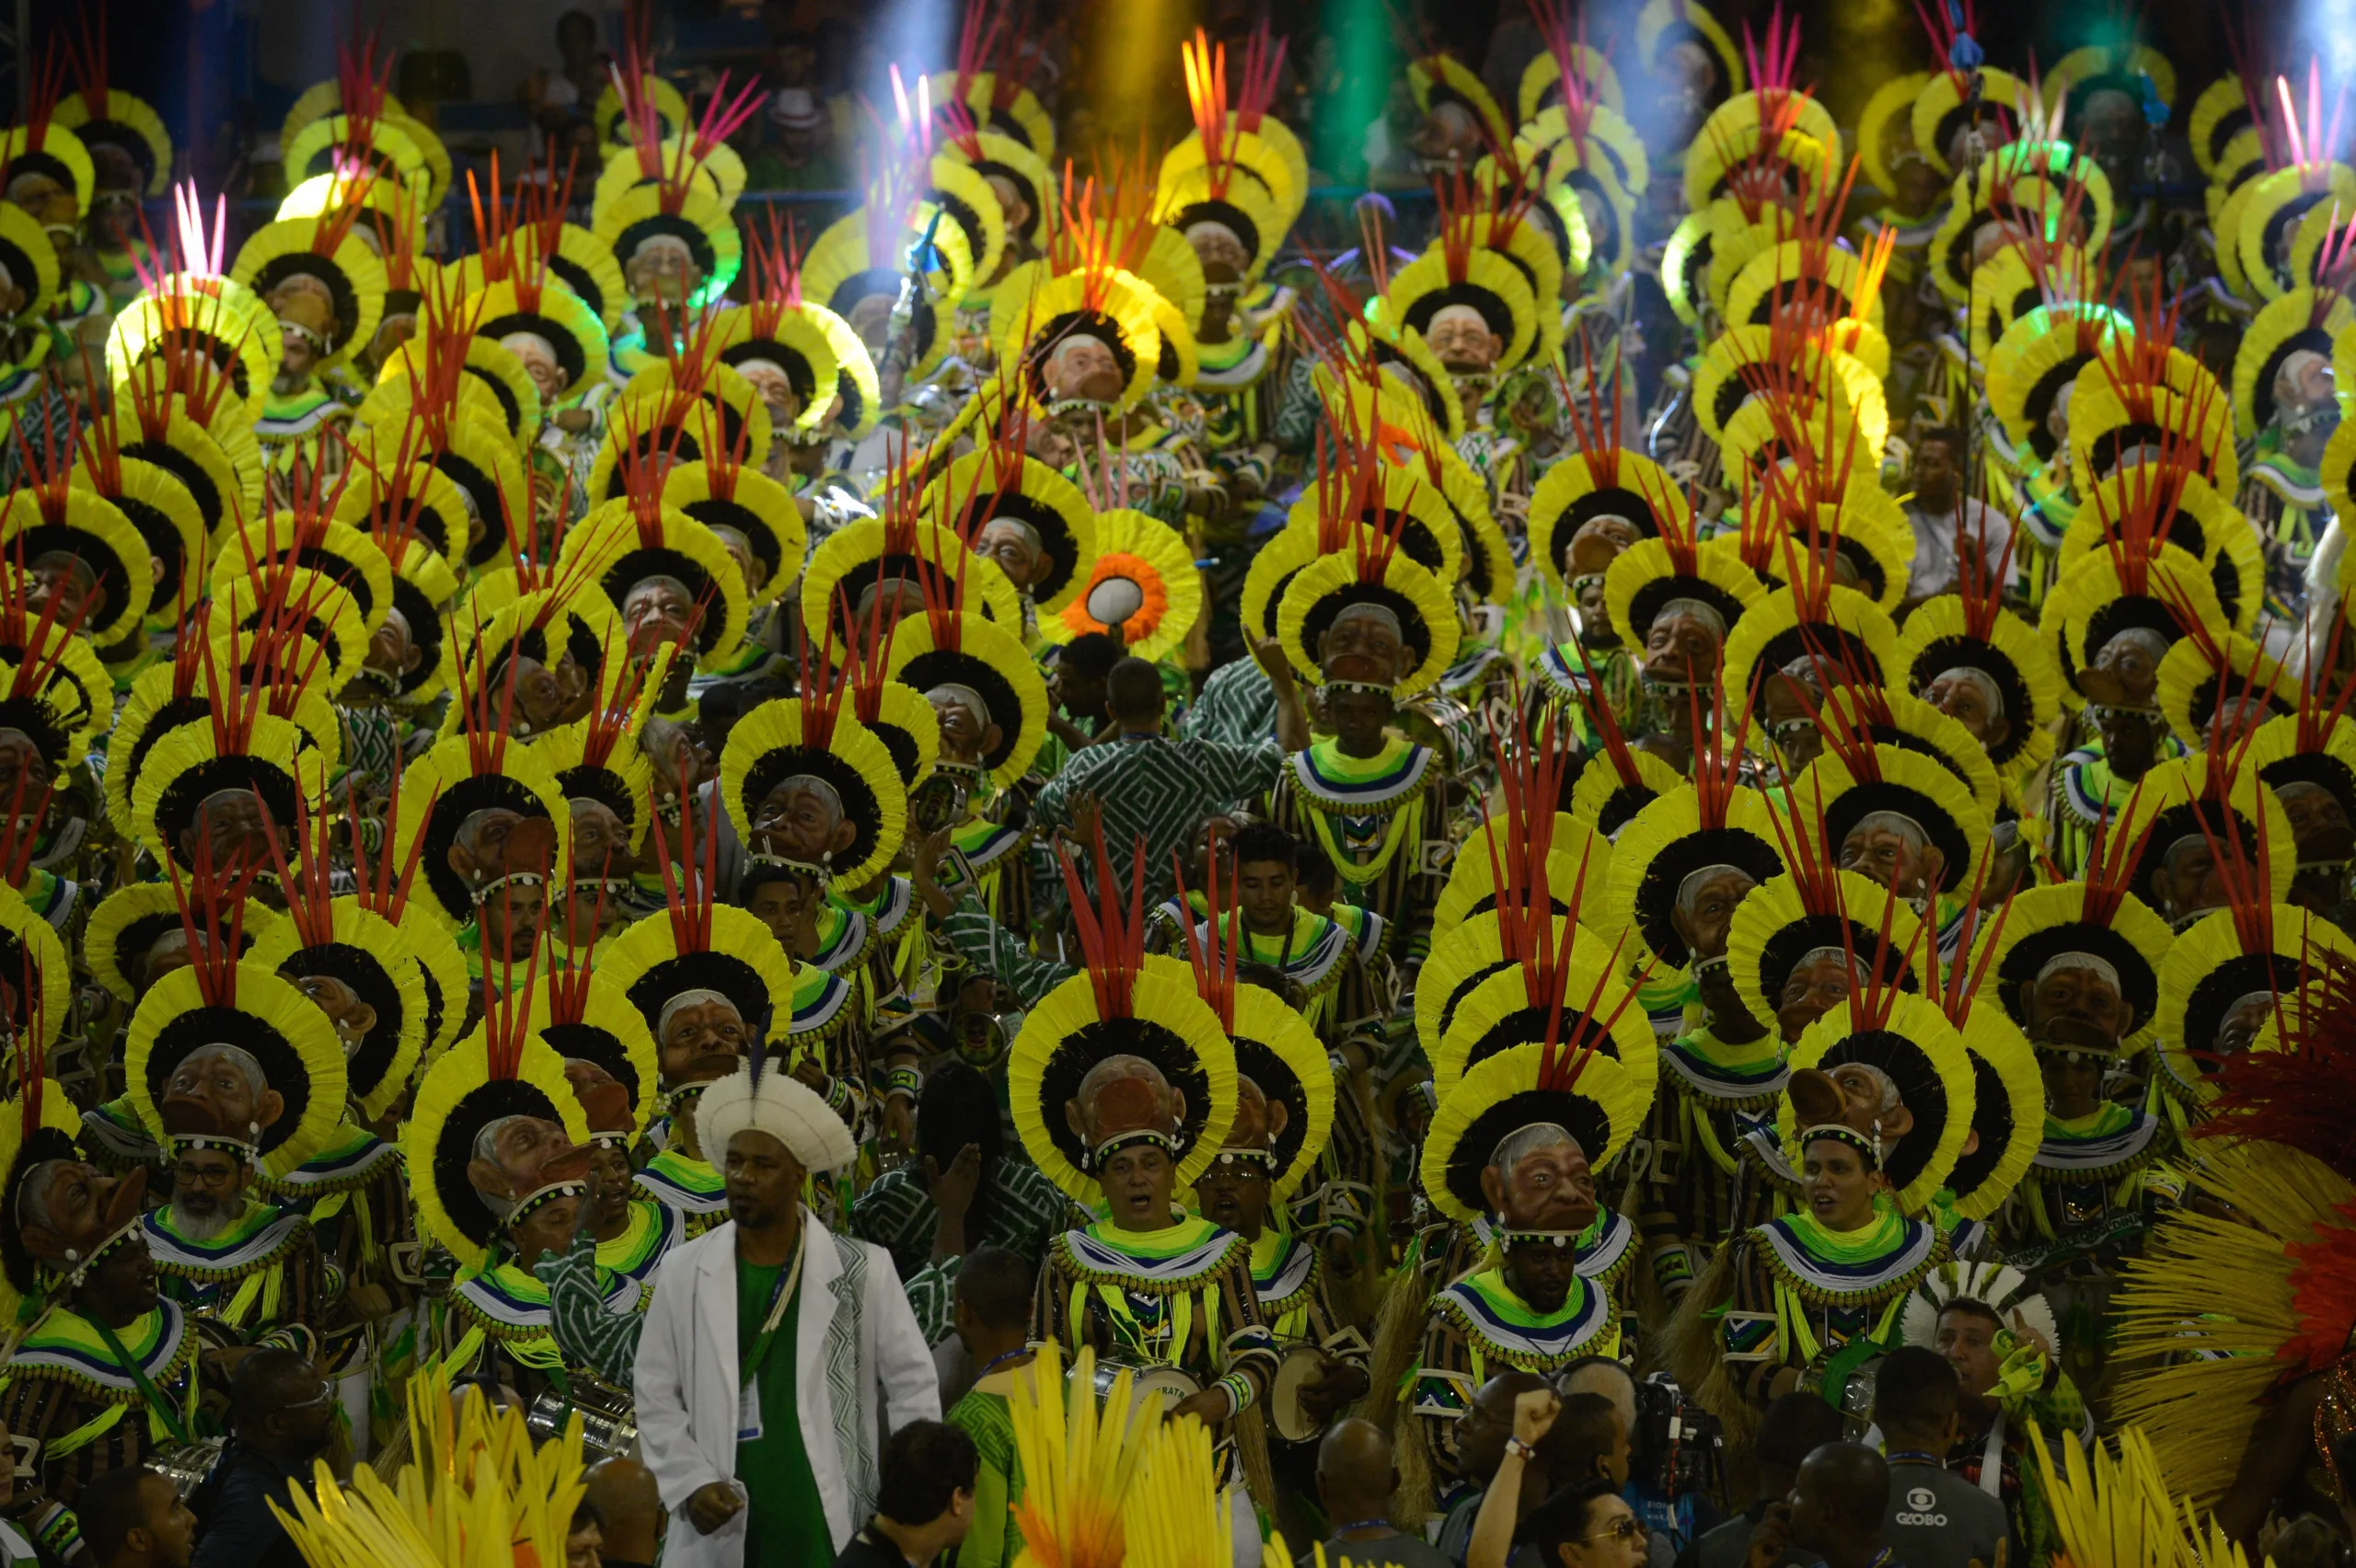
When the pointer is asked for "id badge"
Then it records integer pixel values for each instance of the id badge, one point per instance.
(748, 1414)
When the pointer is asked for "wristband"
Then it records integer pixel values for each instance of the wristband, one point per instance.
(1520, 1449)
(902, 1081)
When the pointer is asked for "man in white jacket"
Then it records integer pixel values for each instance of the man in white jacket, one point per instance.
(776, 1356)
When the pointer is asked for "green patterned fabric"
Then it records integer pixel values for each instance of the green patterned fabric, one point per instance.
(993, 949)
(1159, 790)
(590, 1335)
(995, 1538)
(1237, 705)
(1022, 1212)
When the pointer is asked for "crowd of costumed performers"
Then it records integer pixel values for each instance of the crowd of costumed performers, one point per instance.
(1654, 870)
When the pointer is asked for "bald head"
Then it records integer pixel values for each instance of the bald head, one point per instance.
(1480, 1435)
(1355, 1473)
(1840, 1500)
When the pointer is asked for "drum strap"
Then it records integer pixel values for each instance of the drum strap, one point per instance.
(157, 1404)
(1697, 1123)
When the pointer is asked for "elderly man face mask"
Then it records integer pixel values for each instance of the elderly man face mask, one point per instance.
(69, 1210)
(2191, 879)
(1792, 696)
(2076, 1004)
(1015, 546)
(1596, 543)
(1461, 336)
(305, 313)
(1127, 1116)
(657, 612)
(802, 820)
(539, 357)
(1539, 1185)
(600, 841)
(64, 587)
(545, 695)
(1817, 984)
(24, 774)
(229, 827)
(1221, 253)
(966, 733)
(496, 845)
(1448, 134)
(700, 1036)
(517, 1156)
(1363, 646)
(1971, 698)
(2305, 408)
(392, 655)
(661, 270)
(1855, 1095)
(220, 1090)
(604, 1102)
(352, 1016)
(1083, 367)
(1684, 643)
(1704, 909)
(775, 389)
(2126, 670)
(2326, 838)
(1893, 850)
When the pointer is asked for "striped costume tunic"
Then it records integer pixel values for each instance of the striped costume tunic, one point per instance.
(261, 1280)
(1160, 789)
(678, 1181)
(1369, 817)
(1016, 1209)
(355, 1194)
(500, 1312)
(2083, 1204)
(1694, 1188)
(77, 1409)
(1815, 1300)
(1179, 1296)
(1478, 1327)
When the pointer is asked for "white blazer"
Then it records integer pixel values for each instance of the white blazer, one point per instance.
(686, 1376)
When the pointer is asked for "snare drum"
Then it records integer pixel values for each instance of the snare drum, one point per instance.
(1148, 1380)
(186, 1465)
(608, 1419)
(1301, 1366)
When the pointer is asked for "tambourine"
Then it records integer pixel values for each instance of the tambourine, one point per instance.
(1301, 1366)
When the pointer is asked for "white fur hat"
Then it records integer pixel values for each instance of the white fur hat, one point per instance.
(776, 1104)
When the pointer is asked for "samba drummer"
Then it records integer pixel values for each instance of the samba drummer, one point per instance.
(1517, 1137)
(72, 1243)
(1284, 1114)
(1124, 1084)
(498, 1157)
(107, 1375)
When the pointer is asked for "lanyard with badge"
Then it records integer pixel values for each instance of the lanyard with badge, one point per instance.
(748, 1395)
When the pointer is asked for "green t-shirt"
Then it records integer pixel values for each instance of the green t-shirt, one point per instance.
(786, 1520)
(995, 1540)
